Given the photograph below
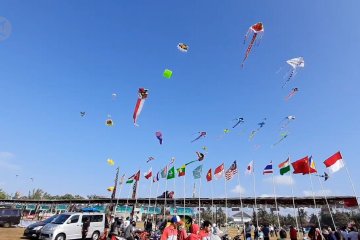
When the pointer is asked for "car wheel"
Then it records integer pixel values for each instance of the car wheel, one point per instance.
(6, 225)
(95, 236)
(60, 236)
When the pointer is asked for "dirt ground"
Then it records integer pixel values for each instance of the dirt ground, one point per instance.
(12, 233)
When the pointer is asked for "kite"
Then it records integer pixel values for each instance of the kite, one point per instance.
(32, 179)
(201, 134)
(114, 95)
(325, 176)
(256, 29)
(200, 155)
(110, 162)
(292, 93)
(109, 122)
(110, 189)
(254, 132)
(288, 119)
(142, 95)
(150, 159)
(284, 135)
(167, 73)
(159, 136)
(238, 121)
(182, 47)
(82, 114)
(204, 148)
(226, 130)
(295, 63)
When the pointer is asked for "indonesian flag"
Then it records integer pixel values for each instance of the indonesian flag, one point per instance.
(209, 175)
(219, 171)
(148, 174)
(334, 163)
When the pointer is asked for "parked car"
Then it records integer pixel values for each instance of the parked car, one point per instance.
(69, 225)
(9, 217)
(33, 230)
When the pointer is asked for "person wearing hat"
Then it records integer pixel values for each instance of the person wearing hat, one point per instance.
(171, 232)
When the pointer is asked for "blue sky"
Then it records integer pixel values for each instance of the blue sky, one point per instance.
(63, 57)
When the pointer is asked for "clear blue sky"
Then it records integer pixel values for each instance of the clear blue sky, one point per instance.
(64, 57)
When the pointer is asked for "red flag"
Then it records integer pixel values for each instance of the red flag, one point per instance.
(219, 171)
(209, 175)
(334, 163)
(301, 166)
(148, 174)
(137, 176)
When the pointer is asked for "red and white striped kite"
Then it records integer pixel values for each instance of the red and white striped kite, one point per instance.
(256, 29)
(143, 93)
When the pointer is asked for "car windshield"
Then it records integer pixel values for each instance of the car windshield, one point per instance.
(61, 219)
(50, 219)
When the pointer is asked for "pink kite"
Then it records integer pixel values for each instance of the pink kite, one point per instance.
(292, 93)
(256, 29)
(159, 137)
(143, 94)
(201, 134)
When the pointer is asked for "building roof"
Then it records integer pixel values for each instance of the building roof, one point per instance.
(239, 215)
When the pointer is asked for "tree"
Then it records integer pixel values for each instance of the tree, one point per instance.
(313, 219)
(3, 194)
(221, 216)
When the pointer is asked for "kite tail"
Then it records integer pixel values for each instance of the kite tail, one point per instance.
(236, 124)
(196, 138)
(290, 76)
(246, 36)
(248, 50)
(290, 96)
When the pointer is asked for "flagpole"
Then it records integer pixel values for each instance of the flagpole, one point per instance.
(327, 203)
(312, 188)
(150, 195)
(276, 205)
(212, 202)
(199, 201)
(165, 196)
(226, 213)
(157, 191)
(117, 199)
(241, 205)
(127, 200)
(174, 196)
(254, 188)
(184, 194)
(352, 184)
(293, 198)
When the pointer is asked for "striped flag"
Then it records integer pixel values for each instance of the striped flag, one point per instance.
(231, 171)
(219, 171)
(268, 169)
(284, 167)
(156, 178)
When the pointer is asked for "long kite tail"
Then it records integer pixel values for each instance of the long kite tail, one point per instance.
(248, 50)
(196, 138)
(292, 73)
(237, 124)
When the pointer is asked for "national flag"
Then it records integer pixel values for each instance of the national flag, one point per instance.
(301, 165)
(209, 175)
(137, 176)
(181, 170)
(122, 179)
(231, 171)
(219, 171)
(334, 163)
(130, 179)
(171, 173)
(197, 172)
(148, 174)
(268, 169)
(250, 168)
(312, 167)
(284, 167)
(164, 172)
(156, 178)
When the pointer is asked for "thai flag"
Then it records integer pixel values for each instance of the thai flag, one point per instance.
(268, 169)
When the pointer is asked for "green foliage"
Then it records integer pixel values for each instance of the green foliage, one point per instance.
(3, 194)
(340, 218)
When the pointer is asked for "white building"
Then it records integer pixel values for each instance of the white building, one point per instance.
(238, 217)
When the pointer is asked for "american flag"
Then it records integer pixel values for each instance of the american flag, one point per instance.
(231, 171)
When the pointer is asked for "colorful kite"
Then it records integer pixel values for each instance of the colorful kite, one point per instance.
(292, 93)
(159, 136)
(254, 132)
(109, 122)
(284, 135)
(288, 119)
(238, 121)
(295, 63)
(82, 114)
(183, 47)
(201, 134)
(256, 29)
(111, 162)
(150, 159)
(200, 155)
(325, 176)
(226, 130)
(143, 94)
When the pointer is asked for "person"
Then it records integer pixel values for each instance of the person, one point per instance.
(271, 227)
(256, 232)
(85, 227)
(194, 232)
(182, 234)
(261, 233)
(205, 232)
(115, 228)
(353, 233)
(148, 226)
(282, 234)
(293, 233)
(216, 230)
(171, 232)
(106, 228)
(247, 231)
(266, 232)
(344, 232)
(129, 231)
(312, 233)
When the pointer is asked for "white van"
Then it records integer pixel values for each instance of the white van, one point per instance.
(69, 226)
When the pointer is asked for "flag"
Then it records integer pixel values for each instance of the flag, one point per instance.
(197, 172)
(268, 169)
(110, 189)
(219, 171)
(284, 167)
(209, 175)
(334, 163)
(130, 179)
(171, 173)
(231, 171)
(312, 168)
(148, 174)
(164, 172)
(156, 178)
(250, 168)
(137, 176)
(122, 179)
(181, 171)
(301, 165)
